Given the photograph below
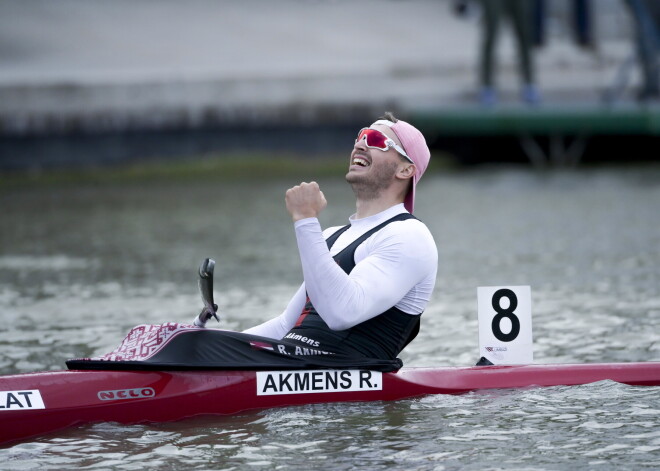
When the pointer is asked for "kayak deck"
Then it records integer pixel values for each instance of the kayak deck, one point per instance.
(37, 403)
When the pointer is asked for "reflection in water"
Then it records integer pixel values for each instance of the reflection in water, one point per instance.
(79, 266)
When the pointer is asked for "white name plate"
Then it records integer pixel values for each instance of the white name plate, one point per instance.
(505, 324)
(317, 381)
(21, 400)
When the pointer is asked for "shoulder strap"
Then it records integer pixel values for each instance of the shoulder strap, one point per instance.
(333, 238)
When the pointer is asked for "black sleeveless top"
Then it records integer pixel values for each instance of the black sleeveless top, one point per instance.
(382, 336)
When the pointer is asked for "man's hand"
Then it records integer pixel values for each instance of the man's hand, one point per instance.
(305, 201)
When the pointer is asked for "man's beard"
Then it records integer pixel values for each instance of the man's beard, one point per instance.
(371, 185)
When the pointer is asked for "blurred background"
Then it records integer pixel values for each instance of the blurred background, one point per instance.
(85, 83)
(139, 137)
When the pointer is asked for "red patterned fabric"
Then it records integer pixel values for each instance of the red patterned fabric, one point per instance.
(144, 341)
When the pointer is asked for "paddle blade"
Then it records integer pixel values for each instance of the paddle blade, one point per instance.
(206, 281)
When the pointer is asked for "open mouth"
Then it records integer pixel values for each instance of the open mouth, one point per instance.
(360, 162)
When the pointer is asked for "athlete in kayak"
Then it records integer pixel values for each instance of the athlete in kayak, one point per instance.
(365, 284)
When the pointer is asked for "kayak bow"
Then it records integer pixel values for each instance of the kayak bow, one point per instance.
(38, 403)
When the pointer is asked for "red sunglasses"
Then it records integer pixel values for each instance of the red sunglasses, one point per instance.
(377, 140)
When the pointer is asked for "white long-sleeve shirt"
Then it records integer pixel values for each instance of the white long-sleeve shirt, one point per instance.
(396, 266)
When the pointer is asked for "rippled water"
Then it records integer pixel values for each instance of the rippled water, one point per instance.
(80, 265)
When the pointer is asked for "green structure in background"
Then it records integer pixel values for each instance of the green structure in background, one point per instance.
(557, 135)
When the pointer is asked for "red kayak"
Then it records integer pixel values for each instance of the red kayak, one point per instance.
(38, 403)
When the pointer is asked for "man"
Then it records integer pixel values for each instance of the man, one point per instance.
(366, 285)
(646, 18)
(520, 14)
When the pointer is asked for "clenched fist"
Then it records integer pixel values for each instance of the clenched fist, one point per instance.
(305, 201)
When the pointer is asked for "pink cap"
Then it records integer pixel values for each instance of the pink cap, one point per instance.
(414, 144)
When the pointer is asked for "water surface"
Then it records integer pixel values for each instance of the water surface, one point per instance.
(81, 264)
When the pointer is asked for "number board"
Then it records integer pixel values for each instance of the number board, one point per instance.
(505, 324)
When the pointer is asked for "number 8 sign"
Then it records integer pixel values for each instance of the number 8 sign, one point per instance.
(505, 324)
